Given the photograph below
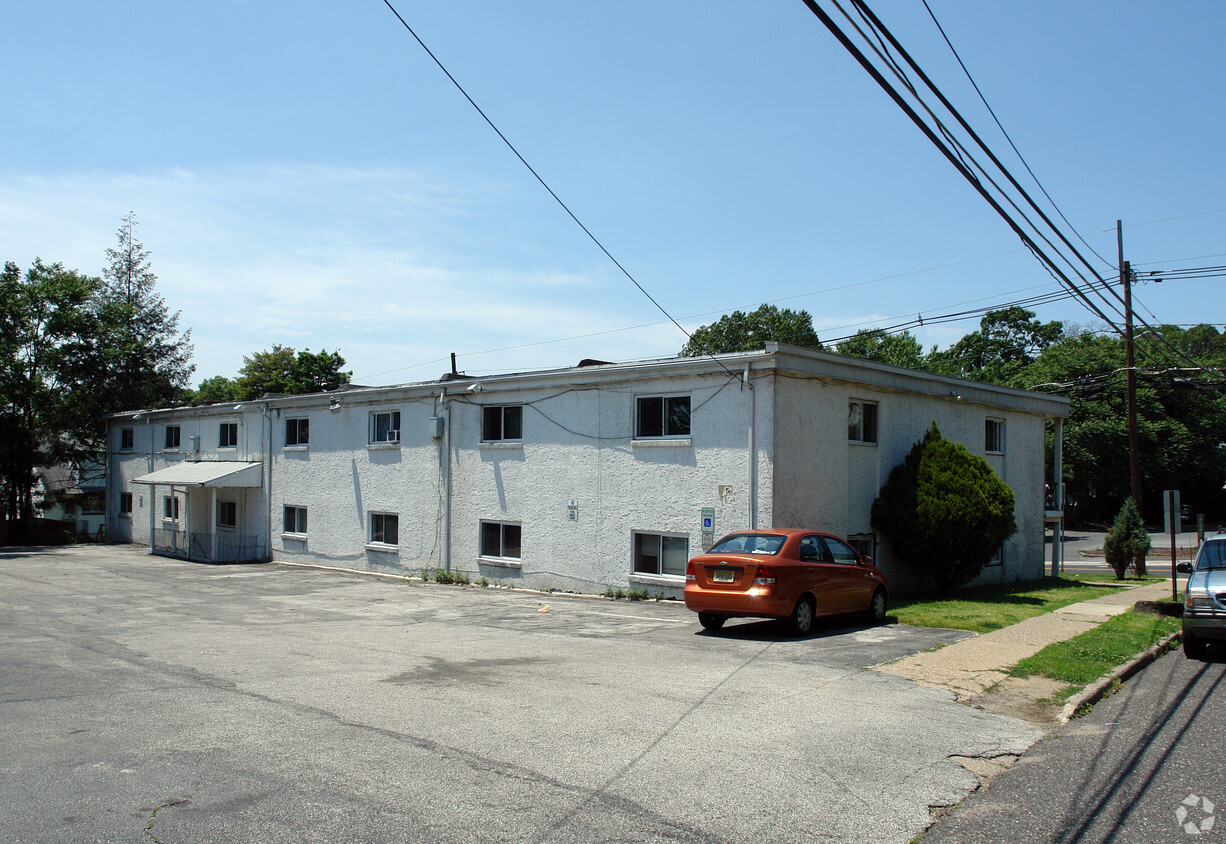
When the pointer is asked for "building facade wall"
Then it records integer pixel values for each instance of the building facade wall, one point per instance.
(572, 484)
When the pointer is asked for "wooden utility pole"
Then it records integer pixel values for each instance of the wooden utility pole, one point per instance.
(1134, 461)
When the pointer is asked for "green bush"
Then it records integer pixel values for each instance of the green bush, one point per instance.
(1127, 542)
(944, 511)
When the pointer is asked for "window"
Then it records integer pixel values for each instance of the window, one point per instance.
(656, 553)
(662, 416)
(500, 540)
(227, 514)
(862, 421)
(385, 427)
(127, 439)
(998, 558)
(384, 529)
(227, 435)
(170, 508)
(841, 552)
(502, 423)
(865, 543)
(994, 436)
(172, 436)
(125, 504)
(295, 520)
(297, 431)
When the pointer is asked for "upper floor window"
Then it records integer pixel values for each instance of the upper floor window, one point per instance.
(661, 416)
(385, 427)
(502, 423)
(172, 436)
(861, 421)
(127, 439)
(656, 553)
(227, 435)
(297, 431)
(994, 436)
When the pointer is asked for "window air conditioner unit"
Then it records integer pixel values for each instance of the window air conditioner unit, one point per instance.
(393, 436)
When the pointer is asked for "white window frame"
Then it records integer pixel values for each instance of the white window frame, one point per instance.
(302, 432)
(170, 508)
(177, 437)
(665, 434)
(382, 517)
(989, 424)
(299, 520)
(501, 557)
(863, 541)
(391, 435)
(223, 429)
(858, 434)
(502, 410)
(225, 508)
(659, 575)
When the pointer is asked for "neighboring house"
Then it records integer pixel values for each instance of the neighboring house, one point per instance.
(73, 493)
(595, 476)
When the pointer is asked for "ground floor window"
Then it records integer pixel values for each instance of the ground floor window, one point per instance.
(295, 520)
(170, 508)
(657, 553)
(125, 504)
(227, 514)
(385, 528)
(864, 543)
(499, 539)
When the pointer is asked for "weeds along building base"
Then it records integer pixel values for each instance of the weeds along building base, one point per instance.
(586, 478)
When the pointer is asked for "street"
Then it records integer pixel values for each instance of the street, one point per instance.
(1122, 773)
(148, 699)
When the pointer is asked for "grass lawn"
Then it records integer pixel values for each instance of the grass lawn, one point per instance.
(986, 608)
(1083, 659)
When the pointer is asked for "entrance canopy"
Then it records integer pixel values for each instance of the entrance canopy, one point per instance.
(211, 473)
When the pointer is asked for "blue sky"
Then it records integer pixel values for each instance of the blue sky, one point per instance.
(303, 174)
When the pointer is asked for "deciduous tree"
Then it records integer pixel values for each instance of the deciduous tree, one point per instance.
(742, 332)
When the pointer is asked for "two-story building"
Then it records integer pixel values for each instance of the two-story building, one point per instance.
(595, 476)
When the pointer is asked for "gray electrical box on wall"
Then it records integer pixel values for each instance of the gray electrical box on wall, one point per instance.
(436, 427)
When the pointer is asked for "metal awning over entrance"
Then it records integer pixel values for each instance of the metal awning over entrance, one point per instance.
(211, 473)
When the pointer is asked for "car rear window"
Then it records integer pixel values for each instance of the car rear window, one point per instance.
(748, 543)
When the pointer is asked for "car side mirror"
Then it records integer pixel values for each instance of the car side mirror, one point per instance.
(1184, 568)
(866, 560)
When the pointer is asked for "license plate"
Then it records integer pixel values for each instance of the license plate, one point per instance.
(723, 575)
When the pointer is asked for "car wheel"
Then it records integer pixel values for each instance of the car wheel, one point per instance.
(710, 621)
(877, 607)
(1194, 648)
(800, 622)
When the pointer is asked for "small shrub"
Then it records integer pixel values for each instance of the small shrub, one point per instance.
(637, 594)
(1127, 542)
(483, 582)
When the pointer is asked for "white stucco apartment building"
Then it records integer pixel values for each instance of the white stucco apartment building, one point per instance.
(579, 479)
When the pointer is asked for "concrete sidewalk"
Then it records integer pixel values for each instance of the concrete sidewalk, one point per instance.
(972, 666)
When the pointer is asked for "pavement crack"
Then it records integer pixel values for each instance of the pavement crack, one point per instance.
(154, 815)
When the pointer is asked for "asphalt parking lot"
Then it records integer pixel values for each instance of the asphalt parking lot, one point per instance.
(148, 699)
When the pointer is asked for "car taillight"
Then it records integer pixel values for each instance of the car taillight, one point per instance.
(765, 575)
(689, 571)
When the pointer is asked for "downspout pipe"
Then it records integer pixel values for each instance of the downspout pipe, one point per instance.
(753, 453)
(445, 408)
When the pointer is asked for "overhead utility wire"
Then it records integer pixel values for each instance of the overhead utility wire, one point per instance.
(1020, 157)
(537, 176)
(859, 56)
(955, 159)
(873, 21)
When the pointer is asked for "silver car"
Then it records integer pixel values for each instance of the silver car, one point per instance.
(1204, 602)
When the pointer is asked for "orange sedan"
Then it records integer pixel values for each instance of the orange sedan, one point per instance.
(788, 574)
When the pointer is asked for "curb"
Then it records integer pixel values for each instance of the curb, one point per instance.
(1095, 692)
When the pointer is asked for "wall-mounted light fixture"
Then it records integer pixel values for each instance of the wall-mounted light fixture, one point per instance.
(334, 405)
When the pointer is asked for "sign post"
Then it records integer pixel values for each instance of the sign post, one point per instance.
(1170, 502)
